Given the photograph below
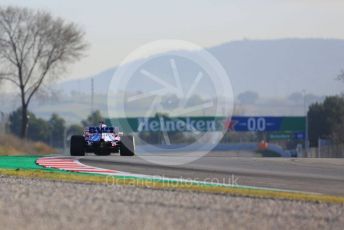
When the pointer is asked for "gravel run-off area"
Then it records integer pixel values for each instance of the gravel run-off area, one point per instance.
(44, 204)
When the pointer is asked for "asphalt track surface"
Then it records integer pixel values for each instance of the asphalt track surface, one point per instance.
(315, 175)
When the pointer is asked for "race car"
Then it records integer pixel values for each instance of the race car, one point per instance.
(102, 141)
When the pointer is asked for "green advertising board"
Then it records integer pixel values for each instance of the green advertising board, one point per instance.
(176, 124)
(211, 124)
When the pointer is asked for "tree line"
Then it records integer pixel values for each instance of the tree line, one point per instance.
(53, 131)
(326, 120)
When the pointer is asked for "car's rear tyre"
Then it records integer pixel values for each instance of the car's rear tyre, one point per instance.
(77, 146)
(127, 147)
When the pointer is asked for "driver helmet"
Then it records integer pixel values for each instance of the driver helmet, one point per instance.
(102, 125)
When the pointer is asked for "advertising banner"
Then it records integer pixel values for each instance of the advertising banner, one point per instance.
(296, 125)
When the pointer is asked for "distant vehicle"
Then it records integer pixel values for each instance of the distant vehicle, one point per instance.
(102, 140)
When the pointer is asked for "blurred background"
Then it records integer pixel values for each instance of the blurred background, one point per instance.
(284, 59)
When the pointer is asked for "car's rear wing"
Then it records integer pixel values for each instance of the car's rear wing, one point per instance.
(92, 129)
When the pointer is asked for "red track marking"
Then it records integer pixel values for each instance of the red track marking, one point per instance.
(70, 164)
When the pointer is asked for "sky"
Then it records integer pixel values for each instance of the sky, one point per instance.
(115, 28)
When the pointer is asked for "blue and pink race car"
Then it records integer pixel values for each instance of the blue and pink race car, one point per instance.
(102, 141)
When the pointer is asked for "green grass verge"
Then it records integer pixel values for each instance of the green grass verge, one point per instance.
(23, 162)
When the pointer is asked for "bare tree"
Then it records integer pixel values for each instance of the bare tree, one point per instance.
(34, 48)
